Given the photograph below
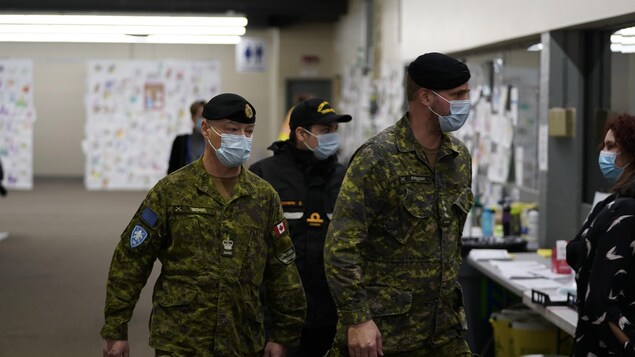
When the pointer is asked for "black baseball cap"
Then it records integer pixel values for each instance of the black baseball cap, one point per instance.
(230, 106)
(315, 111)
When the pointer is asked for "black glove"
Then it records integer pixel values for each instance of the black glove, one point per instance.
(629, 349)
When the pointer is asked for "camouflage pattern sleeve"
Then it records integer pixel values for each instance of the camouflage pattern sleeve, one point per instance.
(285, 297)
(361, 197)
(131, 265)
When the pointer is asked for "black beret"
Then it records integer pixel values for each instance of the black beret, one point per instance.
(315, 111)
(230, 106)
(437, 71)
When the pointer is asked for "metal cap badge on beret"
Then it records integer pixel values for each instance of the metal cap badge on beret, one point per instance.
(438, 71)
(230, 106)
(315, 111)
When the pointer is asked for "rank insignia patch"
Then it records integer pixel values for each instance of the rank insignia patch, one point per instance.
(137, 236)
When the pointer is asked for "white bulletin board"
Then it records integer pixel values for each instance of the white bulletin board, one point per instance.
(134, 109)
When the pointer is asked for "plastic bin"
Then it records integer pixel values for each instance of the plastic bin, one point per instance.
(535, 336)
(519, 332)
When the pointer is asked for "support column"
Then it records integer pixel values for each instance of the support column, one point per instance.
(575, 72)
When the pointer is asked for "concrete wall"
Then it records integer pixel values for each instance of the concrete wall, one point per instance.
(451, 26)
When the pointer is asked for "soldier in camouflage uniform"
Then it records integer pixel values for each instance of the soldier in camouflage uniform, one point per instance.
(392, 254)
(220, 233)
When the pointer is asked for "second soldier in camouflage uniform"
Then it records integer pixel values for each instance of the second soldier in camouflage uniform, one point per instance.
(392, 254)
(219, 233)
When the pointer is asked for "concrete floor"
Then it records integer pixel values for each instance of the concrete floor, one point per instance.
(53, 269)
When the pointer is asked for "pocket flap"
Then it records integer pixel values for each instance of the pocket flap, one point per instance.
(388, 301)
(176, 296)
(465, 200)
(417, 204)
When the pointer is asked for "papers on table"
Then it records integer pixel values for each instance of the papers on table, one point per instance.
(518, 269)
(489, 254)
(525, 273)
(538, 284)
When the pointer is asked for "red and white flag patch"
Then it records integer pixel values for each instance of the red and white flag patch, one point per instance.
(280, 228)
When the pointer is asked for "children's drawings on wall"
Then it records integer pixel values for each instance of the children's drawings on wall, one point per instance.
(134, 109)
(17, 116)
(374, 104)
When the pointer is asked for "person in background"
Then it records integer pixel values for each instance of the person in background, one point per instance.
(306, 174)
(602, 253)
(392, 252)
(220, 233)
(187, 148)
(3, 192)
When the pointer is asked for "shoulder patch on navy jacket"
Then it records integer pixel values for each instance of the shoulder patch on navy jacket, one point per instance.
(149, 217)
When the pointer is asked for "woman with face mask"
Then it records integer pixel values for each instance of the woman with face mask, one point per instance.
(305, 172)
(603, 253)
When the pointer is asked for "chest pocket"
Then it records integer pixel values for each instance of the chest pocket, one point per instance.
(418, 204)
(412, 209)
(187, 227)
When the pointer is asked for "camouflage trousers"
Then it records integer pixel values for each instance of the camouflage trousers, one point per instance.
(454, 348)
(158, 353)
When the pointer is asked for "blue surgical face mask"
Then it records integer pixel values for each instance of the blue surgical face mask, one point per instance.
(327, 145)
(234, 149)
(459, 111)
(608, 166)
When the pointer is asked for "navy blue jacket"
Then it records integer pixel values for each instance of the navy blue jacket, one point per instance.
(308, 189)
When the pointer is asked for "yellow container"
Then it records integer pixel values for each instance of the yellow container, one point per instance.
(502, 334)
(519, 332)
(534, 336)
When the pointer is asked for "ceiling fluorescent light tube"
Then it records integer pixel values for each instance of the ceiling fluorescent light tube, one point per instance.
(124, 29)
(111, 28)
(35, 19)
(118, 38)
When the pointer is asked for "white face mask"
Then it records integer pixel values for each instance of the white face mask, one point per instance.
(459, 111)
(327, 145)
(234, 149)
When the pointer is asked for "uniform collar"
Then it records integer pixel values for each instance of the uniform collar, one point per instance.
(406, 141)
(244, 186)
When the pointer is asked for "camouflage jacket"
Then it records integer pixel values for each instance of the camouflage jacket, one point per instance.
(392, 253)
(215, 254)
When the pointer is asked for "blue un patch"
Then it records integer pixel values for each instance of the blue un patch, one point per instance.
(137, 236)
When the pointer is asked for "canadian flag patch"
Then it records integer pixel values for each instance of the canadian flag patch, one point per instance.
(280, 228)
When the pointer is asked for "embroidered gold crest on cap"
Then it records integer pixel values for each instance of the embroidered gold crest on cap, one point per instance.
(322, 110)
(248, 111)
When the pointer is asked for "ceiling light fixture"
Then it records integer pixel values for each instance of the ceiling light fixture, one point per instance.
(623, 41)
(122, 29)
(536, 47)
